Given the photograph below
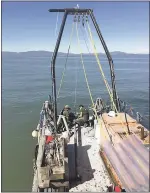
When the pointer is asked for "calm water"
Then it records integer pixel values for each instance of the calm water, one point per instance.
(26, 84)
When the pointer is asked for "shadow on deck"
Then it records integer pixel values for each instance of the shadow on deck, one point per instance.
(84, 169)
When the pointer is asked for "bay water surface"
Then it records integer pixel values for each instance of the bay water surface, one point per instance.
(26, 84)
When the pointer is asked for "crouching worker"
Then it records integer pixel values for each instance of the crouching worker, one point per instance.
(70, 117)
(83, 117)
(66, 112)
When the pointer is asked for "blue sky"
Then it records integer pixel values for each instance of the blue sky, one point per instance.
(29, 26)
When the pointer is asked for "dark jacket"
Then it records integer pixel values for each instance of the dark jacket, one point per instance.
(69, 115)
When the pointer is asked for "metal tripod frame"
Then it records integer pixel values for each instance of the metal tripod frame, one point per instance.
(75, 11)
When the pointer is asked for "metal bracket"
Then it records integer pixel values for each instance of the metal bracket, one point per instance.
(62, 117)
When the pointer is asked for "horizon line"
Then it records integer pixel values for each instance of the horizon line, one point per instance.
(72, 52)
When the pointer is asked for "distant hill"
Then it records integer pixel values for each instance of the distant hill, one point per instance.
(117, 53)
(29, 53)
(49, 54)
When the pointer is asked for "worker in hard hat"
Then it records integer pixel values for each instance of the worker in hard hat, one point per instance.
(66, 111)
(70, 117)
(83, 117)
(68, 114)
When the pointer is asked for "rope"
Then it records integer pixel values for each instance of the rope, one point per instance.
(104, 78)
(96, 116)
(85, 40)
(75, 92)
(84, 66)
(64, 70)
(100, 67)
(98, 119)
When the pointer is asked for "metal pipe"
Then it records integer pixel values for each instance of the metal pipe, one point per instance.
(127, 123)
(75, 145)
(53, 68)
(109, 59)
(142, 133)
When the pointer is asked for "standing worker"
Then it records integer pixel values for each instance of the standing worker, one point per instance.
(83, 118)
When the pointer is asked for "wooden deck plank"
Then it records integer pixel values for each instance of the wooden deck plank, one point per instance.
(119, 128)
(118, 119)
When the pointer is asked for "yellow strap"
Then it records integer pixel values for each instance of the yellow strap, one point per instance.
(104, 78)
(84, 66)
(63, 73)
(100, 67)
(98, 119)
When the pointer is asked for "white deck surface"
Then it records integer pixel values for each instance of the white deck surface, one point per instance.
(90, 165)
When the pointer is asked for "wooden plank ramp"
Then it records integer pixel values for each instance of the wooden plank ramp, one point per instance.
(131, 165)
(125, 155)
